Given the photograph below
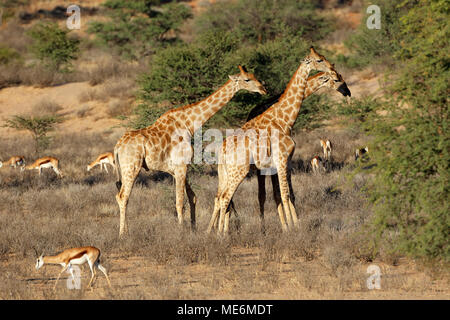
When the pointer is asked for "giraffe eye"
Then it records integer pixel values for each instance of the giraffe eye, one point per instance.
(247, 80)
(319, 60)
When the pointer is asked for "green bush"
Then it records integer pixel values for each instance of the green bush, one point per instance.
(137, 28)
(269, 38)
(8, 55)
(259, 21)
(375, 46)
(411, 148)
(53, 46)
(189, 72)
(358, 109)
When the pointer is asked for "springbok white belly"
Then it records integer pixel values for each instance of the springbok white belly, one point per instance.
(46, 165)
(84, 258)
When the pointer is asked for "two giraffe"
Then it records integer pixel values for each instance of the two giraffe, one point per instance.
(270, 135)
(156, 148)
(166, 145)
(313, 84)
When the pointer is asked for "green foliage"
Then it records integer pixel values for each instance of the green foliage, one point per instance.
(315, 109)
(39, 127)
(189, 72)
(269, 38)
(136, 29)
(254, 21)
(358, 109)
(375, 46)
(411, 147)
(53, 47)
(8, 55)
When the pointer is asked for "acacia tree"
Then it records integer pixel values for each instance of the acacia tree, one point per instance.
(138, 28)
(39, 127)
(53, 47)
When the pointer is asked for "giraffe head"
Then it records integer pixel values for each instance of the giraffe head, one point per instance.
(316, 61)
(247, 81)
(333, 81)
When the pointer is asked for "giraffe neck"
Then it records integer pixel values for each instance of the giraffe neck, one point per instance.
(195, 115)
(287, 108)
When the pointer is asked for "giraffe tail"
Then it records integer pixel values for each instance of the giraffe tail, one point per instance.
(117, 169)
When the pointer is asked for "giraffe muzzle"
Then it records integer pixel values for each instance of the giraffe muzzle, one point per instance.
(344, 90)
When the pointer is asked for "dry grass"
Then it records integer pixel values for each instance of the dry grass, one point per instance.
(46, 107)
(162, 260)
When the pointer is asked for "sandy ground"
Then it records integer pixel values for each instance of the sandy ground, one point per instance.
(243, 278)
(20, 101)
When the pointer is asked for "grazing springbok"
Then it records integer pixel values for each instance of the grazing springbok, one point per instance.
(359, 153)
(75, 256)
(317, 164)
(326, 146)
(45, 162)
(14, 162)
(103, 160)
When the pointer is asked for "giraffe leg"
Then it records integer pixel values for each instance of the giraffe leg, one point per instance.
(180, 182)
(129, 175)
(291, 193)
(214, 218)
(277, 198)
(285, 198)
(222, 176)
(261, 197)
(192, 201)
(227, 195)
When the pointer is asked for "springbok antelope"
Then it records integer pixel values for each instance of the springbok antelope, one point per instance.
(14, 162)
(45, 162)
(317, 164)
(361, 152)
(103, 160)
(75, 256)
(326, 146)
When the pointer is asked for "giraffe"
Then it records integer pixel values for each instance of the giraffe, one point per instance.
(256, 141)
(313, 84)
(166, 145)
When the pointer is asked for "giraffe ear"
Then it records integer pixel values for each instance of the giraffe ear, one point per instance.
(234, 77)
(242, 69)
